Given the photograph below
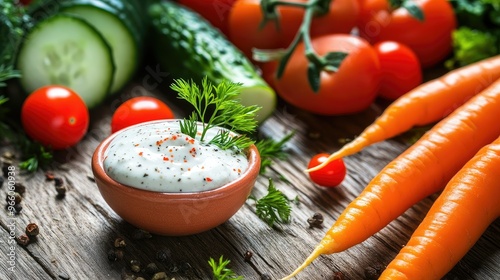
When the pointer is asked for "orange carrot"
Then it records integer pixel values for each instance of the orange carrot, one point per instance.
(421, 170)
(457, 219)
(426, 104)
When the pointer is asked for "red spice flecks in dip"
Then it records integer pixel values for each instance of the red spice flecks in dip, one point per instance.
(173, 161)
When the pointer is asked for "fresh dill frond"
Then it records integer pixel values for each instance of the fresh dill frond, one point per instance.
(274, 207)
(189, 126)
(270, 149)
(216, 106)
(221, 271)
(225, 140)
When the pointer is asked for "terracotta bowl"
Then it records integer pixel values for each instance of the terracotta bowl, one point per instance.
(174, 214)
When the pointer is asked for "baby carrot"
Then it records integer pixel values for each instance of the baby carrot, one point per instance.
(423, 105)
(421, 170)
(457, 219)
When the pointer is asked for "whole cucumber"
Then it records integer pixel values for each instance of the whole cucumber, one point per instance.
(189, 47)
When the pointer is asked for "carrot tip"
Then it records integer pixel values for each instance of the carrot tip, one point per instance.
(319, 250)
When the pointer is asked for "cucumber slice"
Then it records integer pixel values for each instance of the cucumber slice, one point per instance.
(67, 50)
(118, 36)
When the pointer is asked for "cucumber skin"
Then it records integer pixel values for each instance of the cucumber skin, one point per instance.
(130, 12)
(189, 47)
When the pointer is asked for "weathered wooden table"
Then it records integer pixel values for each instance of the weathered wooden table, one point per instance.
(77, 232)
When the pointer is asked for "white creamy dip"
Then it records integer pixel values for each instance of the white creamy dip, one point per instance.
(158, 157)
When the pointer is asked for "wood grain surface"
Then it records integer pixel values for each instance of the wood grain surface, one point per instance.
(77, 232)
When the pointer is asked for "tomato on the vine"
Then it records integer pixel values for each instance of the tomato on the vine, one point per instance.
(351, 89)
(215, 11)
(139, 109)
(401, 70)
(246, 32)
(329, 176)
(55, 116)
(430, 38)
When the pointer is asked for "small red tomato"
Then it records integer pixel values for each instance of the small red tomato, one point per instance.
(401, 70)
(55, 116)
(329, 176)
(139, 109)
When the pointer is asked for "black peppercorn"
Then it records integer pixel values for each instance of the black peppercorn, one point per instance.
(119, 242)
(163, 255)
(119, 254)
(23, 240)
(18, 208)
(135, 265)
(58, 181)
(61, 191)
(49, 176)
(5, 168)
(19, 188)
(32, 230)
(14, 196)
(151, 269)
(316, 220)
(248, 256)
(112, 255)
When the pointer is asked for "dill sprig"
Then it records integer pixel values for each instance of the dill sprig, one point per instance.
(274, 207)
(217, 106)
(270, 149)
(221, 271)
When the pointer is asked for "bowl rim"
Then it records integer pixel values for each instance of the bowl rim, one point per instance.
(99, 170)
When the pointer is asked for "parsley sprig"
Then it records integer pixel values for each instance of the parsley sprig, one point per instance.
(274, 207)
(217, 106)
(221, 271)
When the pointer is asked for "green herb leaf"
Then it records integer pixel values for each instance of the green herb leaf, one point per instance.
(269, 150)
(273, 207)
(471, 45)
(14, 21)
(7, 73)
(217, 105)
(221, 271)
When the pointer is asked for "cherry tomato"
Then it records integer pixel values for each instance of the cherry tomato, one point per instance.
(401, 70)
(329, 176)
(139, 109)
(349, 90)
(215, 11)
(430, 39)
(246, 32)
(55, 116)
